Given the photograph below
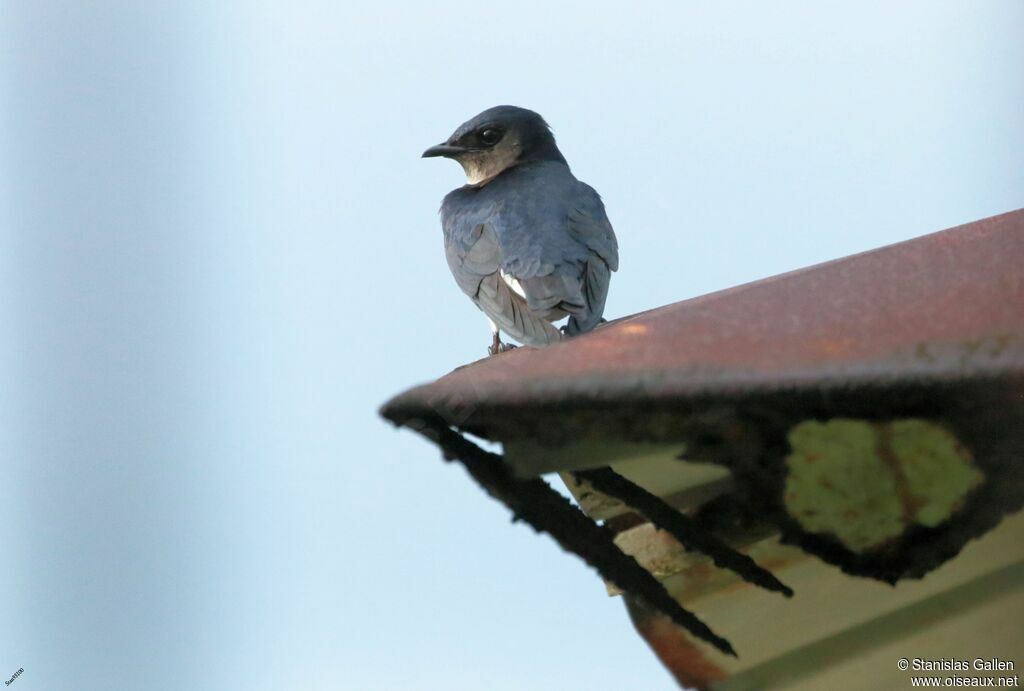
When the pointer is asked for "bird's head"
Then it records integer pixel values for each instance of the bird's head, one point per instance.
(497, 139)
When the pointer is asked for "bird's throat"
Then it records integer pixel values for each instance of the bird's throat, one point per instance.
(481, 168)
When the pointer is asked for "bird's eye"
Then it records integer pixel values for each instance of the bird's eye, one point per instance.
(490, 136)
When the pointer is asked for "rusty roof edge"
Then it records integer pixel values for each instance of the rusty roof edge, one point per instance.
(428, 400)
(987, 224)
(998, 352)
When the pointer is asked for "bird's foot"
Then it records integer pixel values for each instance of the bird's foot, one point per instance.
(498, 347)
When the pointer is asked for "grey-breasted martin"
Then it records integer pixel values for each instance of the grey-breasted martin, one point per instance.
(526, 241)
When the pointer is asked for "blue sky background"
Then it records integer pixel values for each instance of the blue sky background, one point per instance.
(219, 253)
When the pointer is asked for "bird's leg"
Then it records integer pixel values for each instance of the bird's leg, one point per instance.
(496, 345)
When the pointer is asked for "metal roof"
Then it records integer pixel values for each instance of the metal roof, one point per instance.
(868, 411)
(942, 307)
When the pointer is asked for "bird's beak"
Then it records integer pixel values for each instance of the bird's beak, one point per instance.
(445, 150)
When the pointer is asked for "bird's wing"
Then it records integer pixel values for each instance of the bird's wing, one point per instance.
(557, 243)
(474, 258)
(542, 250)
(588, 224)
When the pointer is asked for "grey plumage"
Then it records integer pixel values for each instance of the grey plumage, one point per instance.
(527, 226)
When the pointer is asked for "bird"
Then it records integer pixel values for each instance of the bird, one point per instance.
(526, 241)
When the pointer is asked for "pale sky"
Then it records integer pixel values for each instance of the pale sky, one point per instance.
(220, 253)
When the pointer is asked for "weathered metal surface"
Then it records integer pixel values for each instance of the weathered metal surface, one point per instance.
(833, 620)
(682, 528)
(867, 483)
(931, 329)
(869, 411)
(944, 306)
(681, 656)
